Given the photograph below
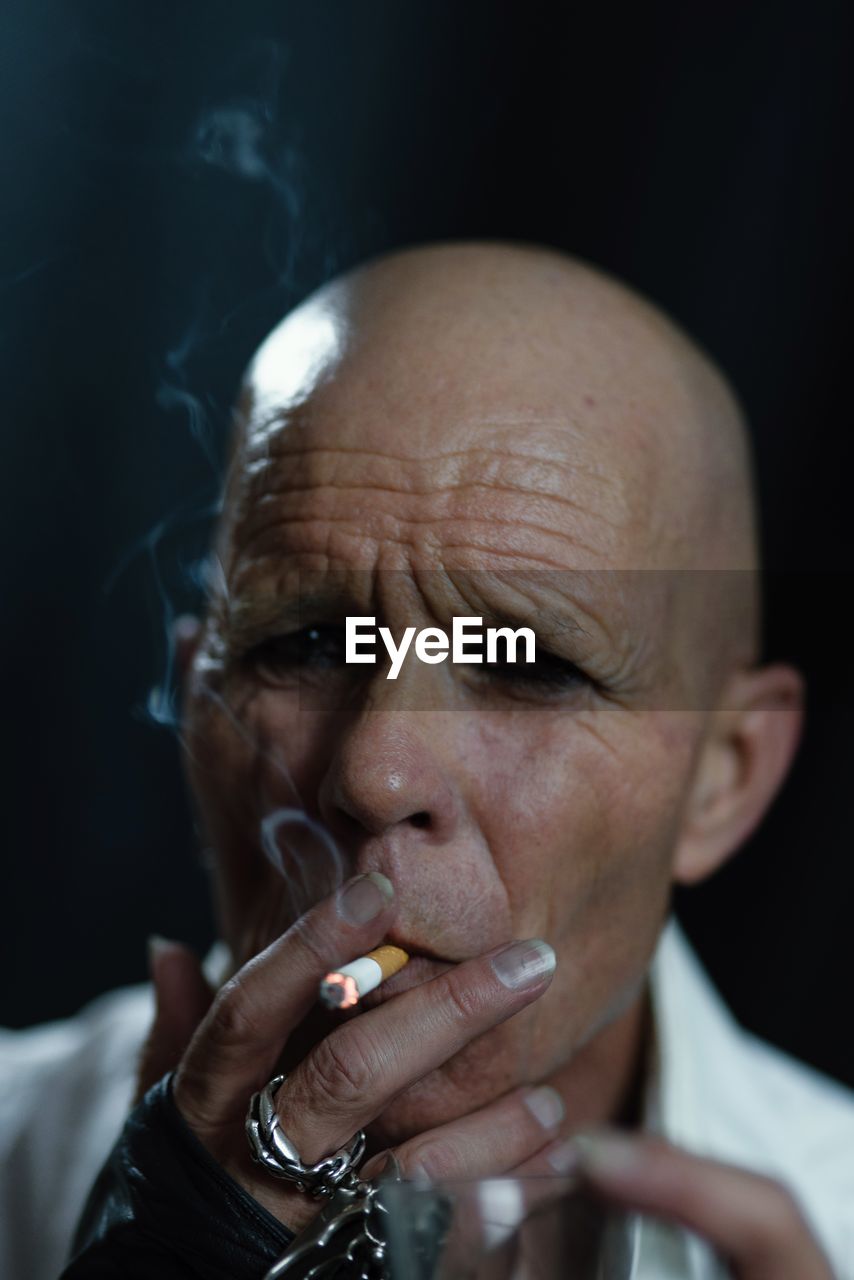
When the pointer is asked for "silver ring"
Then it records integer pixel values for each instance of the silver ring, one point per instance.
(272, 1149)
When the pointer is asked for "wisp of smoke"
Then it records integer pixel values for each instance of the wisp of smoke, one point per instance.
(240, 139)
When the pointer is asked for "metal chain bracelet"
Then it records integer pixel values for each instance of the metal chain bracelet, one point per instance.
(348, 1239)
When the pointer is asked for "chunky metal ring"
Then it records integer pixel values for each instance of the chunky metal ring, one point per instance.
(272, 1149)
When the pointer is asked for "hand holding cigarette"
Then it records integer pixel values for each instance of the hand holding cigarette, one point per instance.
(349, 1078)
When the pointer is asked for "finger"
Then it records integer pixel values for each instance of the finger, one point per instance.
(234, 1051)
(182, 997)
(754, 1222)
(488, 1145)
(484, 1144)
(352, 1075)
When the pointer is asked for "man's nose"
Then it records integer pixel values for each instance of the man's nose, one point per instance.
(386, 776)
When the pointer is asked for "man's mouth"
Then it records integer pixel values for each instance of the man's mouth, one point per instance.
(419, 970)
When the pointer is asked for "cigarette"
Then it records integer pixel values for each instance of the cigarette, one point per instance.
(345, 986)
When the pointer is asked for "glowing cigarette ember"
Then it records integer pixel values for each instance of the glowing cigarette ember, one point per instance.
(346, 986)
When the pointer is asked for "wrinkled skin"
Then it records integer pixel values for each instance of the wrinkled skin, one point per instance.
(466, 432)
(499, 432)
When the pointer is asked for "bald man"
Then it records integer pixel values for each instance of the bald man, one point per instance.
(504, 434)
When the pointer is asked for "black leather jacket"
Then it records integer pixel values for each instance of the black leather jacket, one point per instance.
(163, 1209)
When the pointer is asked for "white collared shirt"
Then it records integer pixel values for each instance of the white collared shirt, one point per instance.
(65, 1088)
(723, 1093)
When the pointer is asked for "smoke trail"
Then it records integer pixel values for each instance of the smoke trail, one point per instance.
(299, 848)
(312, 856)
(174, 393)
(194, 580)
(240, 138)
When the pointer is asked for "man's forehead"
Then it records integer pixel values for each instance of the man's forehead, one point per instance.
(412, 357)
(519, 449)
(436, 376)
(533, 487)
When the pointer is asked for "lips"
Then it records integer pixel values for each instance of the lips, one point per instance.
(420, 969)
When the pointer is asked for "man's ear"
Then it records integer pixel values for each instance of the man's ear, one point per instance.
(745, 757)
(186, 634)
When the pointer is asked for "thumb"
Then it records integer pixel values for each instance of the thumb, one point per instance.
(183, 997)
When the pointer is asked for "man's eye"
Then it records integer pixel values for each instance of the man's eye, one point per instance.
(311, 649)
(547, 673)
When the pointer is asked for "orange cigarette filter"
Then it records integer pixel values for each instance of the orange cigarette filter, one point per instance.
(344, 987)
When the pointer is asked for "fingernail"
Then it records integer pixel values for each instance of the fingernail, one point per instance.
(524, 964)
(546, 1106)
(374, 1167)
(364, 898)
(564, 1157)
(156, 946)
(384, 1165)
(607, 1154)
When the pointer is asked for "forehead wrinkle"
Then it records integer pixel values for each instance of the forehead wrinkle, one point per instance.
(348, 427)
(461, 492)
(384, 494)
(482, 589)
(292, 505)
(539, 545)
(321, 433)
(273, 484)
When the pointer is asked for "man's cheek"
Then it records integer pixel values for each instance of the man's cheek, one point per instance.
(620, 889)
(245, 784)
(255, 744)
(633, 770)
(595, 816)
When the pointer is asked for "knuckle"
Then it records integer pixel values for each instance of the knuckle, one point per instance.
(693, 1199)
(658, 1147)
(781, 1220)
(435, 1160)
(342, 1068)
(463, 1001)
(195, 1099)
(304, 932)
(769, 1221)
(231, 1022)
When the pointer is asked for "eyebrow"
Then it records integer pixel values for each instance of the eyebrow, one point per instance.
(250, 619)
(548, 621)
(548, 625)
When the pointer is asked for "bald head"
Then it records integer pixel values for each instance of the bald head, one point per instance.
(527, 337)
(464, 365)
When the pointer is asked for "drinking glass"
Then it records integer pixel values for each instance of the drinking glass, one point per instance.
(504, 1229)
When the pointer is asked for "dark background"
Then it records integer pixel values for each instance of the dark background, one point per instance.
(176, 174)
